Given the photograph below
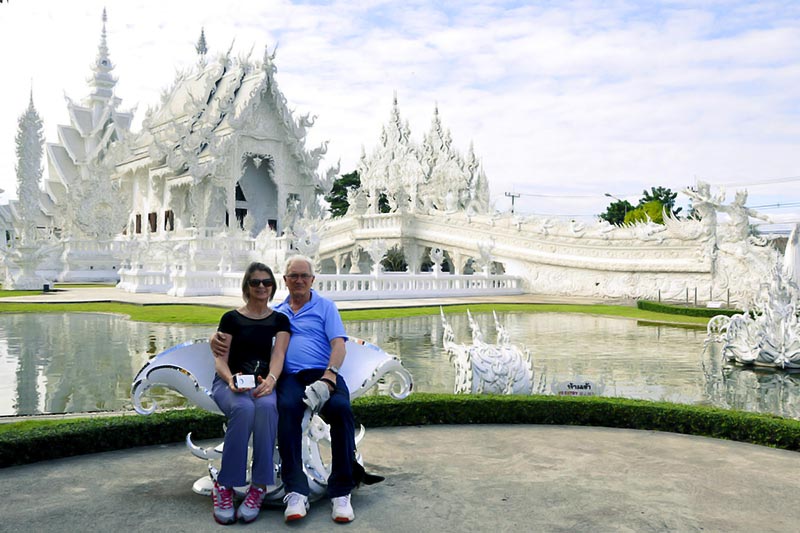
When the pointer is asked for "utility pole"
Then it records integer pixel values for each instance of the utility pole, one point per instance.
(513, 197)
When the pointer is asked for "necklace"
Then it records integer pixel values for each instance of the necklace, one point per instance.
(255, 314)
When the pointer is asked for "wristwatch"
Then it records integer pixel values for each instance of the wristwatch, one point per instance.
(334, 369)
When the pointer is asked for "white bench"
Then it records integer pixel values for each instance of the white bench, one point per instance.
(188, 368)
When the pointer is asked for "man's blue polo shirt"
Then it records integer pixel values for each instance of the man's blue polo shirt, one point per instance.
(314, 326)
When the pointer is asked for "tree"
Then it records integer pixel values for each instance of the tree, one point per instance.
(337, 198)
(395, 260)
(653, 210)
(616, 212)
(663, 195)
(622, 211)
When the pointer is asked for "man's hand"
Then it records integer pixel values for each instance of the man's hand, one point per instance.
(316, 395)
(220, 344)
(265, 386)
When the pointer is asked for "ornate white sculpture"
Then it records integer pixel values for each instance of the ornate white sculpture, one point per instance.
(769, 333)
(188, 368)
(377, 251)
(485, 258)
(431, 176)
(20, 261)
(500, 368)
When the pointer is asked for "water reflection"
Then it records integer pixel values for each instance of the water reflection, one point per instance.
(57, 363)
(75, 362)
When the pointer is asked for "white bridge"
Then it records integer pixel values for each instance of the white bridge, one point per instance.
(555, 256)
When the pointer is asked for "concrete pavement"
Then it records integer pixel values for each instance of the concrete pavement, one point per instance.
(445, 478)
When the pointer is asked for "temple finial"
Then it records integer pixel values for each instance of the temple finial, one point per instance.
(201, 46)
(101, 78)
(103, 48)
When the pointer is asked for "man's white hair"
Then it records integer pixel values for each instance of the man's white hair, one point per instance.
(296, 258)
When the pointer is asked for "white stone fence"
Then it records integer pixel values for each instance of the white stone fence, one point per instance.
(337, 287)
(387, 285)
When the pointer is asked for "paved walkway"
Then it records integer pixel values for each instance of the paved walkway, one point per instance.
(443, 479)
(110, 294)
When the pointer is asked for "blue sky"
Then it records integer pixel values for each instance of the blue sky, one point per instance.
(564, 101)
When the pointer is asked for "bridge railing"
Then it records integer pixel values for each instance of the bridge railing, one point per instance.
(403, 285)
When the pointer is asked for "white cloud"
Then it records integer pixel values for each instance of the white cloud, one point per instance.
(564, 98)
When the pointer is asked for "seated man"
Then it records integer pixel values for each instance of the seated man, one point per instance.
(310, 377)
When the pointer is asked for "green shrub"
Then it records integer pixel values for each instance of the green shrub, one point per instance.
(99, 434)
(50, 441)
(656, 307)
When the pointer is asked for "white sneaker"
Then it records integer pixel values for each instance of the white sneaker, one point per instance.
(341, 510)
(296, 506)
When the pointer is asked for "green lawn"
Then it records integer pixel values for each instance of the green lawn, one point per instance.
(203, 314)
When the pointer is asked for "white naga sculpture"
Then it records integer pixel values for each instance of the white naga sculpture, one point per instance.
(501, 368)
(188, 368)
(769, 333)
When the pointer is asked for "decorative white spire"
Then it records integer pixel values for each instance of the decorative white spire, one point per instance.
(202, 47)
(102, 80)
(29, 140)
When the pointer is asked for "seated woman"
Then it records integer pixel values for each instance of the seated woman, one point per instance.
(250, 408)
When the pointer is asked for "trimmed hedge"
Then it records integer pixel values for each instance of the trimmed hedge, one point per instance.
(117, 432)
(105, 433)
(424, 409)
(656, 307)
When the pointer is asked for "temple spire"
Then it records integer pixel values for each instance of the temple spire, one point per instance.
(101, 79)
(201, 46)
(30, 142)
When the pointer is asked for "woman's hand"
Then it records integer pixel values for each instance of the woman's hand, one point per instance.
(232, 384)
(265, 386)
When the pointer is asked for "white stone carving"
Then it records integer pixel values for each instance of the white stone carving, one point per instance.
(500, 368)
(768, 334)
(377, 251)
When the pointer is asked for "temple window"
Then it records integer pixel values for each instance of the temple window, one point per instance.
(240, 214)
(152, 221)
(138, 223)
(169, 220)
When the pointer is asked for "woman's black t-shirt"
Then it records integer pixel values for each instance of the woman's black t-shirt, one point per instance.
(251, 347)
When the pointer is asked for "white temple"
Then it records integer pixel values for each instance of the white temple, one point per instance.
(220, 175)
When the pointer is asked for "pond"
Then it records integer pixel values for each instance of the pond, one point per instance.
(80, 362)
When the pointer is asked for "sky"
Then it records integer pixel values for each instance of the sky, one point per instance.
(565, 102)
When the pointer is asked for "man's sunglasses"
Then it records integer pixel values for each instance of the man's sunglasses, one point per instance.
(264, 282)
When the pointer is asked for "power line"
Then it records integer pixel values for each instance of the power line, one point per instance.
(559, 195)
(754, 183)
(776, 206)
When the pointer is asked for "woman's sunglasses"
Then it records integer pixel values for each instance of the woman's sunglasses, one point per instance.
(264, 282)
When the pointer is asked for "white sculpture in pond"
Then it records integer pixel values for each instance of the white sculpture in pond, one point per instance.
(482, 368)
(769, 333)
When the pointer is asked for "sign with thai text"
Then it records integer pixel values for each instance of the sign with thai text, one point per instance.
(578, 387)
